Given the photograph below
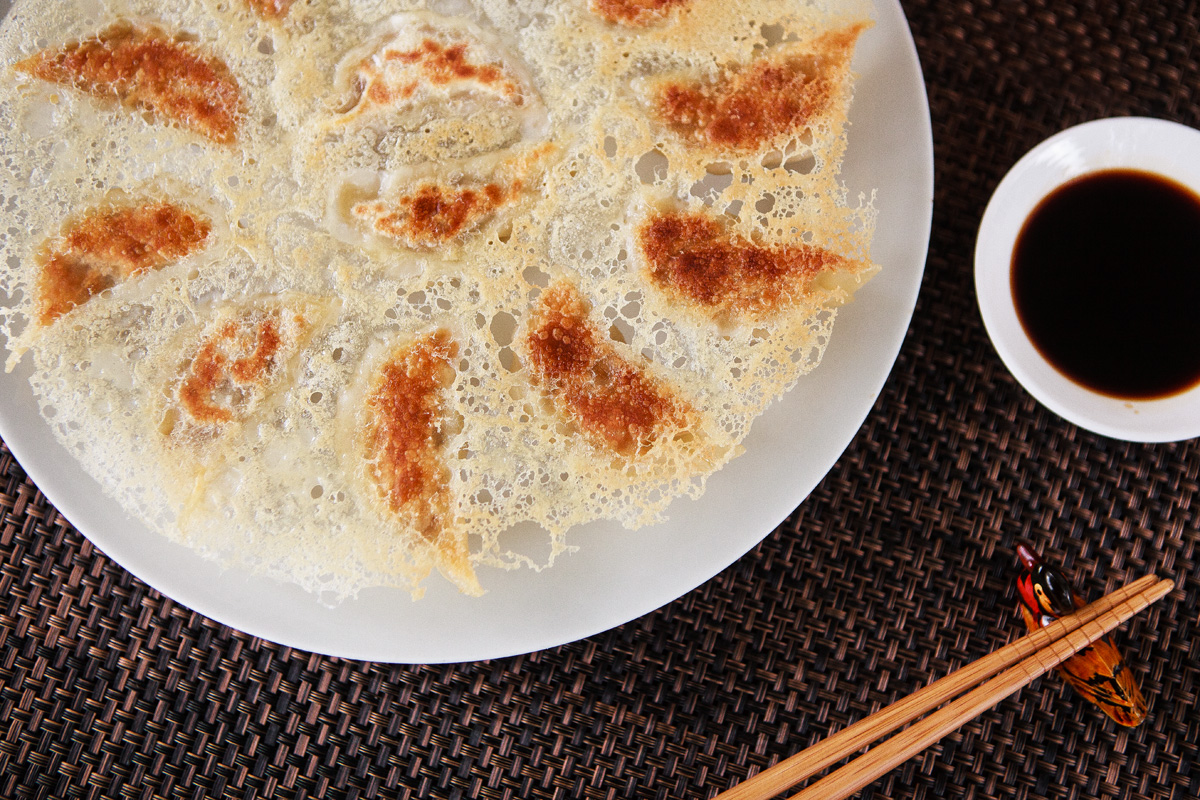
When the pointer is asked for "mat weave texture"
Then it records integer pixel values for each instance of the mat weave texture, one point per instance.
(898, 569)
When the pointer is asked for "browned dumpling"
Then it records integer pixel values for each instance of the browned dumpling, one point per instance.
(110, 244)
(404, 445)
(756, 104)
(422, 63)
(143, 67)
(615, 402)
(636, 13)
(699, 262)
(231, 365)
(439, 207)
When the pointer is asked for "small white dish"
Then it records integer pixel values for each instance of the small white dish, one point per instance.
(1164, 148)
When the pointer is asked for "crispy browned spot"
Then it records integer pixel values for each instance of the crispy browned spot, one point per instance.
(232, 365)
(747, 106)
(635, 13)
(270, 9)
(612, 400)
(404, 443)
(432, 214)
(696, 257)
(143, 67)
(109, 245)
(402, 72)
(404, 439)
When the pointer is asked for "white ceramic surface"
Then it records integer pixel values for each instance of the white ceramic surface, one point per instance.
(1153, 145)
(616, 575)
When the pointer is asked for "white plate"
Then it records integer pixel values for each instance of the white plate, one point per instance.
(616, 575)
(1152, 145)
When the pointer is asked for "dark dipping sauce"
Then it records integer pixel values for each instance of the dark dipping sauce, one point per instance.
(1106, 283)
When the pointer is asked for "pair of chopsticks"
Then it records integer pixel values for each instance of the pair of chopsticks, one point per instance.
(1009, 668)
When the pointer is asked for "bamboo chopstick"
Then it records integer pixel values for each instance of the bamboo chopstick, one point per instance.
(1079, 630)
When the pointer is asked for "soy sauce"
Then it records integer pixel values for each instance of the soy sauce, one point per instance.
(1106, 282)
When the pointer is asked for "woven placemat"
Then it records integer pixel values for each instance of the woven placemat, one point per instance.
(898, 568)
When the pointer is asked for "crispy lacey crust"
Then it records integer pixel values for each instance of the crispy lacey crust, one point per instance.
(341, 292)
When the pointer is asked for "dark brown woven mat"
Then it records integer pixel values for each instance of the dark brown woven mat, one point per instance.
(898, 569)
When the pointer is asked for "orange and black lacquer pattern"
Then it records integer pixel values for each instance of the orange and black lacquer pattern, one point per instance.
(1098, 672)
